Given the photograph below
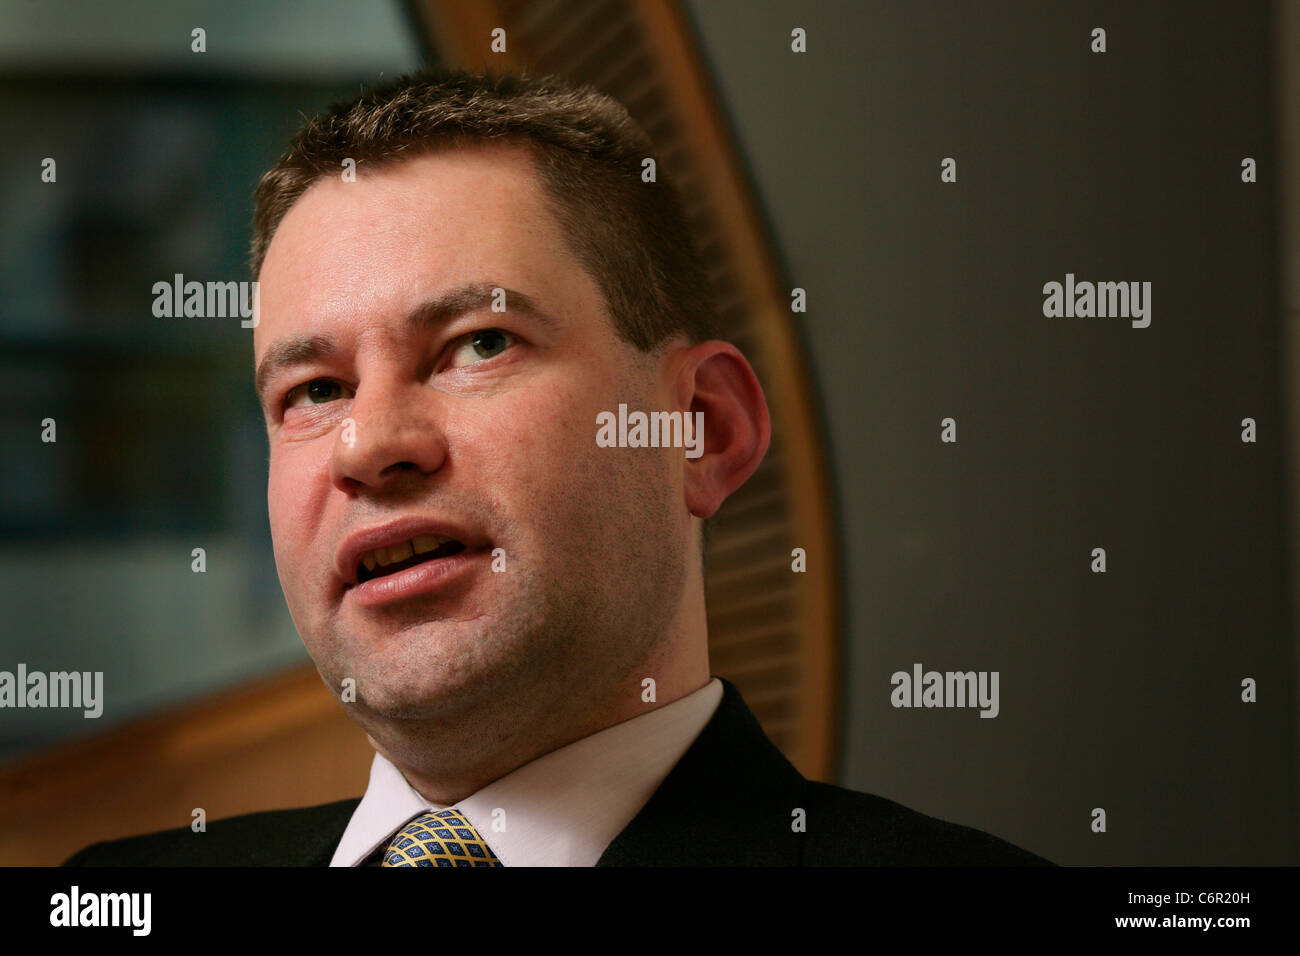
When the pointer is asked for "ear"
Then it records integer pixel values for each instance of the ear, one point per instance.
(715, 380)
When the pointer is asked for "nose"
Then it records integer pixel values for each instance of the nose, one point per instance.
(393, 435)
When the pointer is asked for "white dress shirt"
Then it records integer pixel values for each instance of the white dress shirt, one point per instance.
(562, 809)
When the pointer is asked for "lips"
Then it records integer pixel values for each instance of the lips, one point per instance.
(394, 547)
(390, 560)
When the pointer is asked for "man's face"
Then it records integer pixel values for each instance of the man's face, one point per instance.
(390, 422)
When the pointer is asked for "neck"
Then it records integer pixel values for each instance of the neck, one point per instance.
(544, 721)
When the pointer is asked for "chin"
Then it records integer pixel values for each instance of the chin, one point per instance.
(427, 676)
(426, 701)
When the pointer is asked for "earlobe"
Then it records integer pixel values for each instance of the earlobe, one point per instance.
(725, 395)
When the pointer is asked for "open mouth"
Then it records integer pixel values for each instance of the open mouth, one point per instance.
(399, 557)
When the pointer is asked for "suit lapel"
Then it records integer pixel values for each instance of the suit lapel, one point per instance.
(727, 802)
(314, 836)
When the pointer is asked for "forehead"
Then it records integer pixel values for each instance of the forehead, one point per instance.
(380, 245)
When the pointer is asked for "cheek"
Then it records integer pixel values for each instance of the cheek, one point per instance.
(297, 482)
(536, 455)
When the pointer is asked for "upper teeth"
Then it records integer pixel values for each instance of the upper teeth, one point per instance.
(420, 544)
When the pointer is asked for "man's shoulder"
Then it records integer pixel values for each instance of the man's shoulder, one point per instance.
(304, 836)
(850, 828)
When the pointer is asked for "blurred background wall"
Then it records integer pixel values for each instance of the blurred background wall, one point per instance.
(1119, 690)
(161, 447)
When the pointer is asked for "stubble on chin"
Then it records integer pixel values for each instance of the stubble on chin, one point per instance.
(442, 670)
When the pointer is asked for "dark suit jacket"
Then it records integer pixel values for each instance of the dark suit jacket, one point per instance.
(728, 802)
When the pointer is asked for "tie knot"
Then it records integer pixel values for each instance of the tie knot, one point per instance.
(439, 838)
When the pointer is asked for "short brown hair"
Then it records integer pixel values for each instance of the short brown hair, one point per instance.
(631, 236)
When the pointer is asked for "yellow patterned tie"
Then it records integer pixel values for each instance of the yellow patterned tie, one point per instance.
(439, 838)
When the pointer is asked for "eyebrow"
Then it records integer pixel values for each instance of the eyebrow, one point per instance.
(430, 314)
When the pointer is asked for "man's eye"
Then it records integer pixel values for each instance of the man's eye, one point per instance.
(481, 345)
(316, 392)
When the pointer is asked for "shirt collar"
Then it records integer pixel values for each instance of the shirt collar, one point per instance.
(562, 809)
